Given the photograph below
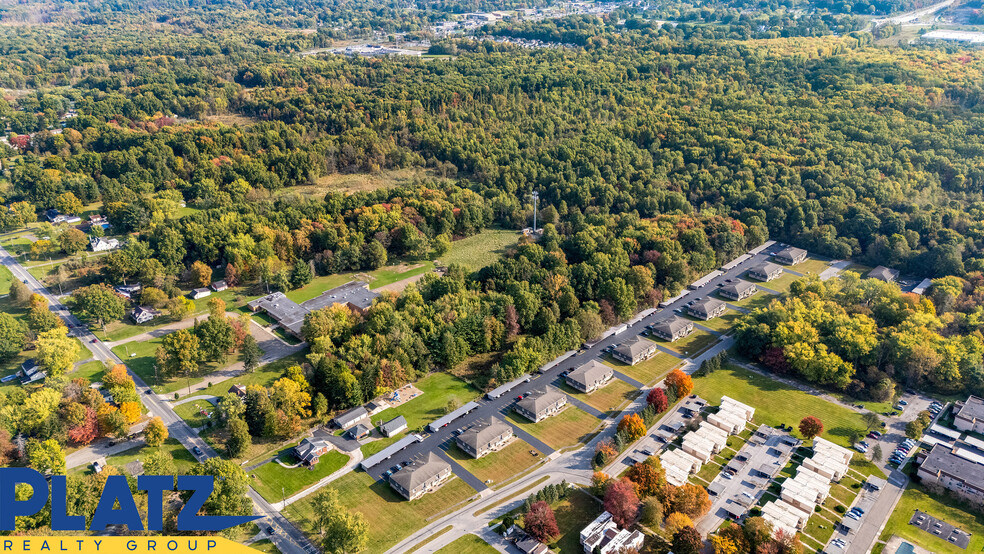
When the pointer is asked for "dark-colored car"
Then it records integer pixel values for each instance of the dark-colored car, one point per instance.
(197, 451)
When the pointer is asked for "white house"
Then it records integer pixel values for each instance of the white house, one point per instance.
(103, 244)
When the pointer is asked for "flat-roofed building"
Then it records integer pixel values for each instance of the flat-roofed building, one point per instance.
(707, 308)
(698, 447)
(290, 315)
(732, 405)
(424, 474)
(713, 434)
(806, 489)
(604, 536)
(783, 515)
(679, 464)
(959, 474)
(673, 328)
(766, 272)
(739, 290)
(484, 436)
(729, 422)
(970, 416)
(542, 404)
(635, 350)
(790, 255)
(590, 376)
(829, 459)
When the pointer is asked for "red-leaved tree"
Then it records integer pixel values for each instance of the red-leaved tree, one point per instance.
(657, 399)
(540, 522)
(621, 501)
(810, 426)
(87, 431)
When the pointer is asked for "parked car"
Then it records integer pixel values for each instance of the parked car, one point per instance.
(860, 448)
(903, 403)
(865, 444)
(197, 451)
(874, 435)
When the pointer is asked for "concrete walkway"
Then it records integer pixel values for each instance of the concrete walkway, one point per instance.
(354, 460)
(187, 399)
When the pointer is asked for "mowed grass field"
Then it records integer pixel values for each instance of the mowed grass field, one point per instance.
(569, 427)
(140, 357)
(810, 265)
(573, 514)
(6, 277)
(760, 299)
(391, 518)
(607, 398)
(648, 371)
(692, 344)
(438, 389)
(478, 251)
(941, 507)
(776, 403)
(274, 481)
(497, 467)
(721, 323)
(784, 281)
(378, 278)
(468, 544)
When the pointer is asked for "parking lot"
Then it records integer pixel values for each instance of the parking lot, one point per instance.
(940, 529)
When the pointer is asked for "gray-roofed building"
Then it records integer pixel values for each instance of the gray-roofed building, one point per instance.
(360, 431)
(707, 308)
(970, 416)
(529, 545)
(541, 404)
(143, 314)
(790, 255)
(348, 419)
(200, 293)
(423, 475)
(484, 436)
(673, 328)
(765, 271)
(635, 350)
(739, 290)
(290, 315)
(220, 286)
(883, 273)
(309, 450)
(590, 376)
(30, 372)
(394, 426)
(955, 473)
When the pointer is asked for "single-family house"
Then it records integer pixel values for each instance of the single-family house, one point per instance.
(883, 273)
(128, 291)
(143, 314)
(30, 372)
(103, 244)
(220, 286)
(309, 450)
(238, 390)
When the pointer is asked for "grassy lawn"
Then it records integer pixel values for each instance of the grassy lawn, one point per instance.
(183, 460)
(391, 518)
(776, 403)
(468, 544)
(438, 389)
(649, 371)
(692, 344)
(943, 508)
(273, 480)
(378, 278)
(497, 467)
(819, 528)
(760, 299)
(6, 277)
(265, 546)
(140, 357)
(841, 492)
(478, 251)
(573, 514)
(122, 330)
(784, 281)
(569, 427)
(607, 398)
(810, 265)
(93, 371)
(721, 323)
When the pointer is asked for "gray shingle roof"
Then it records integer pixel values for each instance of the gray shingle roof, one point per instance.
(538, 401)
(589, 372)
(419, 471)
(635, 346)
(483, 432)
(393, 424)
(671, 325)
(706, 305)
(737, 288)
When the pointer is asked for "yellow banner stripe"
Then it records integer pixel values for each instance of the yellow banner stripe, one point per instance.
(122, 545)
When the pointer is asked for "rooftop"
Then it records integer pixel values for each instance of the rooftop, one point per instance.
(671, 325)
(483, 432)
(420, 471)
(589, 372)
(634, 347)
(973, 409)
(538, 401)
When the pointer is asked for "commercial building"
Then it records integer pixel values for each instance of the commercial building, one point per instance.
(540, 405)
(766, 271)
(635, 350)
(604, 536)
(790, 255)
(883, 273)
(423, 475)
(707, 308)
(738, 290)
(970, 416)
(956, 469)
(483, 437)
(673, 328)
(590, 376)
(290, 315)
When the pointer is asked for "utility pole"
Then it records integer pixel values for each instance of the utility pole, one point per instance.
(536, 201)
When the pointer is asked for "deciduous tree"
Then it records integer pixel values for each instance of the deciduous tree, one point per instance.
(810, 426)
(680, 382)
(657, 399)
(621, 501)
(156, 432)
(633, 426)
(540, 522)
(687, 541)
(57, 352)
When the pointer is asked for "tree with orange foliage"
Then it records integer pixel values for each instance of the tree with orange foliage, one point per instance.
(680, 382)
(604, 452)
(87, 430)
(633, 427)
(118, 377)
(648, 476)
(691, 500)
(599, 480)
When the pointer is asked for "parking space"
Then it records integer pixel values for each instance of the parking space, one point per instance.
(941, 529)
(856, 516)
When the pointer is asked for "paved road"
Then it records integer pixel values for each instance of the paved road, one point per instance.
(100, 449)
(913, 15)
(288, 538)
(488, 408)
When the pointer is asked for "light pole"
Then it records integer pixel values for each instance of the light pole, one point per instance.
(536, 201)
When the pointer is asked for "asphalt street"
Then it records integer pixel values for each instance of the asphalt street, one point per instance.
(288, 538)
